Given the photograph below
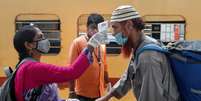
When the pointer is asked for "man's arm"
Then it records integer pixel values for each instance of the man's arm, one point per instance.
(74, 52)
(119, 89)
(72, 93)
(106, 74)
(106, 77)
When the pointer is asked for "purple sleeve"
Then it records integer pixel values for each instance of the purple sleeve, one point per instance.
(40, 73)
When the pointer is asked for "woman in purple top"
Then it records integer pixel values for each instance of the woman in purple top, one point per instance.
(32, 75)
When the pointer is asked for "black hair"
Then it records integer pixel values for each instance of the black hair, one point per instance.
(94, 19)
(25, 34)
(138, 23)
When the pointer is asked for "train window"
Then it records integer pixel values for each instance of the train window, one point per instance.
(49, 25)
(165, 28)
(112, 48)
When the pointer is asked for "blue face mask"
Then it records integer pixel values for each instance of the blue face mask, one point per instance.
(120, 38)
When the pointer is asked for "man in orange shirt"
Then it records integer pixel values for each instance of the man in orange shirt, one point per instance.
(90, 85)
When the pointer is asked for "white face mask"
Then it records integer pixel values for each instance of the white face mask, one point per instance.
(120, 38)
(43, 46)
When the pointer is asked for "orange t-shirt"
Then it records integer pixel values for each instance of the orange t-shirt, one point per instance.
(91, 83)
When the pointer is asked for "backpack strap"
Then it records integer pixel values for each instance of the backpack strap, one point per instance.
(155, 47)
(12, 84)
(150, 47)
(8, 71)
(18, 65)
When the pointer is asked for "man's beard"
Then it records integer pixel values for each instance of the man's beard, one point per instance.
(127, 48)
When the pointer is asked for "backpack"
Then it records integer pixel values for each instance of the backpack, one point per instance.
(185, 61)
(7, 90)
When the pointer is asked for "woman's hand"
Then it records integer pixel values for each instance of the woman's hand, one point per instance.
(97, 39)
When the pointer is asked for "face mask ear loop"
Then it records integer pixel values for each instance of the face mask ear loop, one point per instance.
(36, 45)
(30, 51)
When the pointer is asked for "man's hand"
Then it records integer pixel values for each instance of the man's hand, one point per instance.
(109, 87)
(72, 100)
(104, 98)
(72, 94)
